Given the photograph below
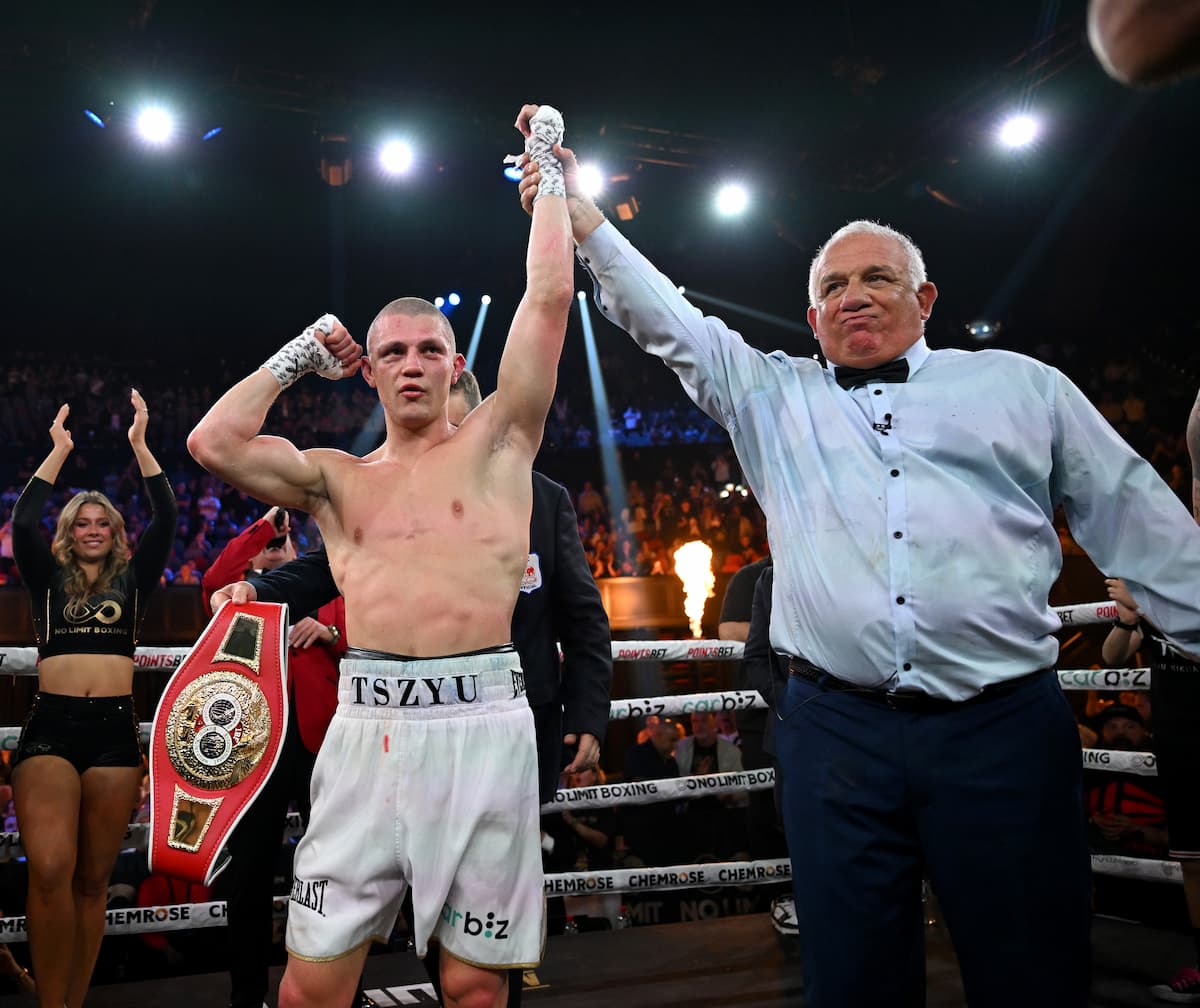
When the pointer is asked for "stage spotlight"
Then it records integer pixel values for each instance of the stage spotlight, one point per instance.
(592, 179)
(628, 208)
(1018, 131)
(336, 163)
(732, 199)
(486, 299)
(983, 329)
(454, 299)
(396, 157)
(439, 302)
(212, 133)
(155, 125)
(95, 118)
(512, 173)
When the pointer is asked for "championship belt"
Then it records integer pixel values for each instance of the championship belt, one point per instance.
(218, 731)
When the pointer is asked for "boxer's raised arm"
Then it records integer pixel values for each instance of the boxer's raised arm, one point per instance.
(528, 367)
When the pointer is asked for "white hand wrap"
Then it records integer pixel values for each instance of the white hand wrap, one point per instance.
(304, 354)
(546, 128)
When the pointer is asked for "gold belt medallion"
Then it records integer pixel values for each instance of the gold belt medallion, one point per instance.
(218, 730)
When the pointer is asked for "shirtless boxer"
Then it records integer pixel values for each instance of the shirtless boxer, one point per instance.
(433, 735)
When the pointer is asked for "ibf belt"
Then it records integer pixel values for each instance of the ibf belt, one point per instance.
(217, 733)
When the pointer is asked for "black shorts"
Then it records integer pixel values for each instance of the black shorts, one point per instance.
(85, 731)
(1175, 710)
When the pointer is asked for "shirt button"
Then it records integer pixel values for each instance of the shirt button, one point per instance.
(879, 391)
(897, 535)
(895, 472)
(899, 600)
(908, 666)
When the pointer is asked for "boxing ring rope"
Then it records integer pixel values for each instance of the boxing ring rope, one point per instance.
(131, 920)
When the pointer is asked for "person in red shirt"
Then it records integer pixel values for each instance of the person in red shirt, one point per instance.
(171, 952)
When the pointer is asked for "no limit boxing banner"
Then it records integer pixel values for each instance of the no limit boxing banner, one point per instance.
(217, 733)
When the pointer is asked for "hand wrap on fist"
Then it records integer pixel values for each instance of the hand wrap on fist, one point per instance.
(304, 354)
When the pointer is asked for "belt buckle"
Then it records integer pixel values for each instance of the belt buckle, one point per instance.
(899, 701)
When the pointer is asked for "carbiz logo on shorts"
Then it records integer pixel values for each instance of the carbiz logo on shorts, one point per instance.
(474, 926)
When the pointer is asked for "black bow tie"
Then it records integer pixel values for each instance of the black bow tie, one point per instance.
(893, 371)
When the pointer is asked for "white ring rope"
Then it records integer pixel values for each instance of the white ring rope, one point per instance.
(184, 916)
(1132, 680)
(23, 660)
(178, 917)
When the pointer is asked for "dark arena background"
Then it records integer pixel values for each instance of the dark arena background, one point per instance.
(174, 254)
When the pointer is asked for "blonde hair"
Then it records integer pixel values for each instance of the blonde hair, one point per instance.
(77, 585)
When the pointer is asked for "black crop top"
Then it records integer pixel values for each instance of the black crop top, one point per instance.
(104, 623)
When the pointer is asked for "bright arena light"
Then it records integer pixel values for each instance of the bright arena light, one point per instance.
(592, 179)
(396, 157)
(1018, 131)
(155, 125)
(486, 299)
(439, 302)
(454, 299)
(983, 329)
(732, 199)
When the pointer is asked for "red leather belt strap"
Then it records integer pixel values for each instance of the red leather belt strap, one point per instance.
(216, 738)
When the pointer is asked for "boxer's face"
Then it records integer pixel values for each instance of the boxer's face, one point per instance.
(411, 364)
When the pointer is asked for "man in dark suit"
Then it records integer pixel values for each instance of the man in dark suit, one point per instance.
(559, 603)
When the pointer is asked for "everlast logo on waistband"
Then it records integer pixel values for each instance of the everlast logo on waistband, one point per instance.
(518, 684)
(415, 692)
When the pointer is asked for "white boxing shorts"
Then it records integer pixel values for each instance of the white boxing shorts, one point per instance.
(427, 778)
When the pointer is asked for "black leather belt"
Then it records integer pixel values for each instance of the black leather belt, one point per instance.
(919, 703)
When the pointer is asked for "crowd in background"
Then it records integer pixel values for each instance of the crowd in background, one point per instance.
(672, 499)
(679, 479)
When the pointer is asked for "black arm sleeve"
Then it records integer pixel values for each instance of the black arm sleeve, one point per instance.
(581, 624)
(758, 661)
(304, 584)
(31, 552)
(154, 548)
(739, 594)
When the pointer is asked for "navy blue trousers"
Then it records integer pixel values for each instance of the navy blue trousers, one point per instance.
(986, 799)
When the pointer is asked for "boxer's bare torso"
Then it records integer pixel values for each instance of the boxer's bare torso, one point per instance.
(428, 547)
